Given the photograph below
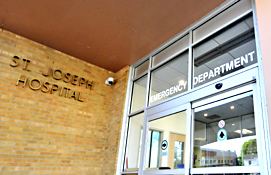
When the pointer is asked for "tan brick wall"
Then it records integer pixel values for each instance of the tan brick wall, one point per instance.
(115, 122)
(44, 133)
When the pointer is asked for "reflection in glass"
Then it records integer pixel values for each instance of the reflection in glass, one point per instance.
(133, 147)
(178, 155)
(139, 94)
(214, 147)
(229, 50)
(169, 79)
(152, 153)
(148, 149)
(172, 129)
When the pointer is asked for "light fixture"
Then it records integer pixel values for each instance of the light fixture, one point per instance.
(232, 107)
(205, 115)
(233, 124)
(200, 138)
(244, 131)
(181, 82)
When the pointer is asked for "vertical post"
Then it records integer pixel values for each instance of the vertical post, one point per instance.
(190, 62)
(125, 121)
(189, 137)
(260, 95)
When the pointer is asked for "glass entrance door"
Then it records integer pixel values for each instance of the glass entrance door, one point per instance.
(174, 141)
(225, 135)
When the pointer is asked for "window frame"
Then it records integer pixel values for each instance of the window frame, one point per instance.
(180, 108)
(164, 63)
(217, 50)
(151, 112)
(222, 99)
(127, 126)
(189, 32)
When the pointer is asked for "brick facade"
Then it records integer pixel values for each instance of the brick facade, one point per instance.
(53, 132)
(115, 122)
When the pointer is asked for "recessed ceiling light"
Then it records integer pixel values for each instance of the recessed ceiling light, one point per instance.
(232, 107)
(200, 138)
(181, 82)
(205, 115)
(233, 124)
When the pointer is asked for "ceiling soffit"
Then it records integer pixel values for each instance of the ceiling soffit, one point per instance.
(110, 34)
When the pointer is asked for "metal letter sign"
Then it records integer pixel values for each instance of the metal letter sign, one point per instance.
(221, 135)
(164, 145)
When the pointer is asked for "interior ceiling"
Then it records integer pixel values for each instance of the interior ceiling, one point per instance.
(110, 34)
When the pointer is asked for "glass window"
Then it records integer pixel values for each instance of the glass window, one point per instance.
(171, 143)
(139, 94)
(133, 147)
(169, 79)
(248, 124)
(221, 19)
(227, 51)
(171, 51)
(153, 151)
(141, 68)
(218, 47)
(218, 134)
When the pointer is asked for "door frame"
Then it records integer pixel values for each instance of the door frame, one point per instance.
(180, 108)
(233, 95)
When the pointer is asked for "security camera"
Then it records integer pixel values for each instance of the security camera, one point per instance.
(218, 85)
(109, 81)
